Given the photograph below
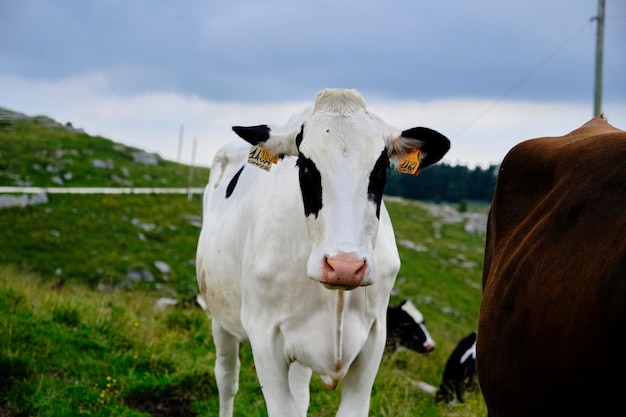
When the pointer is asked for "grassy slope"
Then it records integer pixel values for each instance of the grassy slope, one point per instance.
(82, 351)
(97, 239)
(32, 153)
(100, 239)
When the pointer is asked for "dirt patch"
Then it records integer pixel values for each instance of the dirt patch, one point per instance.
(5, 412)
(161, 402)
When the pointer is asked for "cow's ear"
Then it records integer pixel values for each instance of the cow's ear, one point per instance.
(431, 144)
(282, 143)
(254, 135)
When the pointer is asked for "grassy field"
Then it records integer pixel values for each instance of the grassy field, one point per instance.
(95, 345)
(80, 275)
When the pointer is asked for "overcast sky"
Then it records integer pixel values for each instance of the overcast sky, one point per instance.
(486, 73)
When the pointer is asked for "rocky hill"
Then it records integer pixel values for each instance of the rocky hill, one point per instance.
(41, 152)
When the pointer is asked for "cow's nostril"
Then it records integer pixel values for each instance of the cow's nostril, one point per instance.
(327, 264)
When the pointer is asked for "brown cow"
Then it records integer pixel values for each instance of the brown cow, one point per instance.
(552, 323)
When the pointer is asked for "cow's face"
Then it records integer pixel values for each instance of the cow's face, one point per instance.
(406, 329)
(343, 153)
(342, 165)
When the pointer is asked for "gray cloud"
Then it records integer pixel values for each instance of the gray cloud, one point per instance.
(272, 50)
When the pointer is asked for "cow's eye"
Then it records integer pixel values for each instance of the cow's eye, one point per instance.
(306, 166)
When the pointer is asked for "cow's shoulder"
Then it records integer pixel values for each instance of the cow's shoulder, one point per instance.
(228, 160)
(541, 175)
(594, 144)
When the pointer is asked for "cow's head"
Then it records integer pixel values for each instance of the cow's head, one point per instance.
(406, 329)
(343, 152)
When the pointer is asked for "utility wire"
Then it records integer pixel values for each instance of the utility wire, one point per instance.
(524, 78)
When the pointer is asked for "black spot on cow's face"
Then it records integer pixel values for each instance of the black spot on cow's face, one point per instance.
(378, 179)
(310, 185)
(233, 183)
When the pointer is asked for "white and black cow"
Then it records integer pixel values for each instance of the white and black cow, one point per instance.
(406, 329)
(460, 372)
(300, 261)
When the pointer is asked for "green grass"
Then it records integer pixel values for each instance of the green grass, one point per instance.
(99, 239)
(80, 352)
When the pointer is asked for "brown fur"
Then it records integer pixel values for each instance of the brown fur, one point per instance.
(552, 323)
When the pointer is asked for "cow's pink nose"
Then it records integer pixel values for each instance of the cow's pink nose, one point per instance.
(429, 346)
(343, 271)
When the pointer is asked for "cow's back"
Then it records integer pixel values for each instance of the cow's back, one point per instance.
(552, 323)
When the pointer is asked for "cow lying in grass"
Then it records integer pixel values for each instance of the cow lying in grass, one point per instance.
(406, 329)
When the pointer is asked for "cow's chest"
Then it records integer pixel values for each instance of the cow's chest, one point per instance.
(322, 329)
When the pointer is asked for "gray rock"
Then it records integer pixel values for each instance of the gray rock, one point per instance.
(22, 200)
(162, 267)
(146, 158)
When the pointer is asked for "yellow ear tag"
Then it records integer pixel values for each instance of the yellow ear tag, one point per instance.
(410, 164)
(261, 157)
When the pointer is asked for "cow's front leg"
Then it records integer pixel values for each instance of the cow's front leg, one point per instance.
(358, 382)
(273, 372)
(227, 366)
(299, 384)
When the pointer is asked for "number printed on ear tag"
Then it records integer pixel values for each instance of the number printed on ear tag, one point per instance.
(410, 164)
(261, 157)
